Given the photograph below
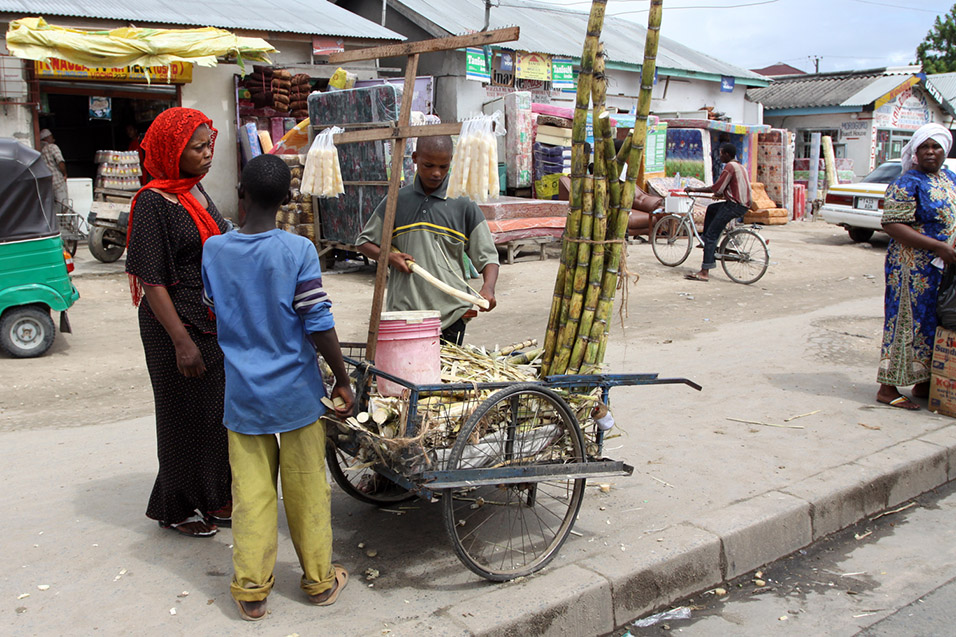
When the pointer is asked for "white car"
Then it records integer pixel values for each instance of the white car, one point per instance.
(859, 207)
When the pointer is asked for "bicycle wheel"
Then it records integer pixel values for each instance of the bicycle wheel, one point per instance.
(508, 530)
(671, 240)
(362, 483)
(744, 255)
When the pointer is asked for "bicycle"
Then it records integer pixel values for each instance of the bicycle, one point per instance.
(71, 227)
(742, 252)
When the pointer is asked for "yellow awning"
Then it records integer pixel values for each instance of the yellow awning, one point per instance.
(34, 39)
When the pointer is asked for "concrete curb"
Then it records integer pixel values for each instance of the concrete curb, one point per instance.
(607, 591)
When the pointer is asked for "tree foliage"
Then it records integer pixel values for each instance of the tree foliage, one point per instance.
(937, 51)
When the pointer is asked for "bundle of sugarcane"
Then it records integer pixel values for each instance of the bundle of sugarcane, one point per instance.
(596, 230)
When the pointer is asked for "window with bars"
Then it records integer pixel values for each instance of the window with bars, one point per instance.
(13, 81)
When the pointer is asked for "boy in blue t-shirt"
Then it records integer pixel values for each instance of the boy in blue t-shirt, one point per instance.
(272, 314)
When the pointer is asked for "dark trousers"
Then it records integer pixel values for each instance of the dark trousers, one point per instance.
(718, 216)
(454, 333)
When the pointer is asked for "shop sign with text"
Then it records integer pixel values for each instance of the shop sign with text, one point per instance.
(533, 66)
(175, 73)
(476, 65)
(562, 73)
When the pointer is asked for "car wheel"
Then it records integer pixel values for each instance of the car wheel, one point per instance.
(26, 332)
(859, 235)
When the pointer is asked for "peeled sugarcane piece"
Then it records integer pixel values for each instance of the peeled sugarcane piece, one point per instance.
(563, 286)
(322, 175)
(362, 417)
(595, 351)
(444, 287)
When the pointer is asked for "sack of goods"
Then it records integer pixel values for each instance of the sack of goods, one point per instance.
(474, 168)
(322, 176)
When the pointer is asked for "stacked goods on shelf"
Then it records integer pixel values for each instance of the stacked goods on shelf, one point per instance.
(764, 210)
(268, 88)
(593, 247)
(118, 169)
(550, 162)
(299, 96)
(297, 216)
(364, 165)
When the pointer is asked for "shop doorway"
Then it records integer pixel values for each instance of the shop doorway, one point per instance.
(80, 135)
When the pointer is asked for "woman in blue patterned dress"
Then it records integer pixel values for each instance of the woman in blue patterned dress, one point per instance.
(919, 214)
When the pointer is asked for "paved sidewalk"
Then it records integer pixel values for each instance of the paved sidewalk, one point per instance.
(711, 497)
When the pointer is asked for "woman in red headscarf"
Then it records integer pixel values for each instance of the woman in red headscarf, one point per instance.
(170, 219)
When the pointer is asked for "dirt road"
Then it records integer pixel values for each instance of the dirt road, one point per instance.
(98, 375)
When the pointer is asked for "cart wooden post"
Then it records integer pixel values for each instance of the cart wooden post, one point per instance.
(399, 133)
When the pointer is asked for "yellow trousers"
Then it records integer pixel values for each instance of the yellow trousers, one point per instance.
(298, 457)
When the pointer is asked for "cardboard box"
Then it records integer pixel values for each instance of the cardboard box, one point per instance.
(944, 353)
(942, 395)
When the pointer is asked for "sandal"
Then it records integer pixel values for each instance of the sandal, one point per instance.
(327, 598)
(696, 277)
(204, 529)
(252, 611)
(221, 516)
(901, 402)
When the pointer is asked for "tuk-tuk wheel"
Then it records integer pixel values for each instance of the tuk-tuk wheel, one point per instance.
(26, 332)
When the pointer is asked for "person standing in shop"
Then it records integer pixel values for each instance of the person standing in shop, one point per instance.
(53, 157)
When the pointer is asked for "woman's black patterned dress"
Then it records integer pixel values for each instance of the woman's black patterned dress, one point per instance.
(165, 250)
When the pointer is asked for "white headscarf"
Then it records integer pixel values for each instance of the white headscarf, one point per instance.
(940, 134)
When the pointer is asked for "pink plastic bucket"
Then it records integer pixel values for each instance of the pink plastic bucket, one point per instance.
(408, 347)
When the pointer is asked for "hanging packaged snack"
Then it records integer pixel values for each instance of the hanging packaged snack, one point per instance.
(474, 168)
(322, 175)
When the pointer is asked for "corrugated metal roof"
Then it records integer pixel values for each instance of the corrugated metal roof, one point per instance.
(312, 17)
(831, 89)
(945, 83)
(555, 30)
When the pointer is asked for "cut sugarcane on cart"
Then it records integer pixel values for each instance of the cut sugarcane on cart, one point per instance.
(506, 447)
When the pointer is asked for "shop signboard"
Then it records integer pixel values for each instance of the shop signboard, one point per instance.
(55, 69)
(726, 83)
(325, 45)
(533, 66)
(907, 111)
(854, 129)
(562, 73)
(476, 65)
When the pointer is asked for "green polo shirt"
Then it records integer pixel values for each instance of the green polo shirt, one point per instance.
(437, 232)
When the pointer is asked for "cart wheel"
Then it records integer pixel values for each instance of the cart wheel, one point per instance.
(671, 240)
(105, 244)
(504, 531)
(362, 484)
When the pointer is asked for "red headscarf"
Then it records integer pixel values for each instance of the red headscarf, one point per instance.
(163, 144)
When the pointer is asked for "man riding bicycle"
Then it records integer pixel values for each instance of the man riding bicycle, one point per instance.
(733, 185)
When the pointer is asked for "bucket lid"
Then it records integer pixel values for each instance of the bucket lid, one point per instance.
(418, 316)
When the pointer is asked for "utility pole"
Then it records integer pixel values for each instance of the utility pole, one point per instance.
(816, 63)
(487, 14)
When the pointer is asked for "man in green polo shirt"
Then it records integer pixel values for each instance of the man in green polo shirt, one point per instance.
(435, 232)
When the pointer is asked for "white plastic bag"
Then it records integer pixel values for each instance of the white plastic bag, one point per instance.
(322, 175)
(474, 169)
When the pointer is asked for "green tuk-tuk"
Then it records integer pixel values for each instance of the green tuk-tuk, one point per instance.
(34, 268)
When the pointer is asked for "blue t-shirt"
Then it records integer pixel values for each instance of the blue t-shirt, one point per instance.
(266, 291)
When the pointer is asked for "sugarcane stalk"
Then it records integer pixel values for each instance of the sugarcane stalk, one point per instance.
(569, 324)
(595, 355)
(525, 357)
(564, 282)
(599, 223)
(505, 351)
(621, 156)
(612, 166)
